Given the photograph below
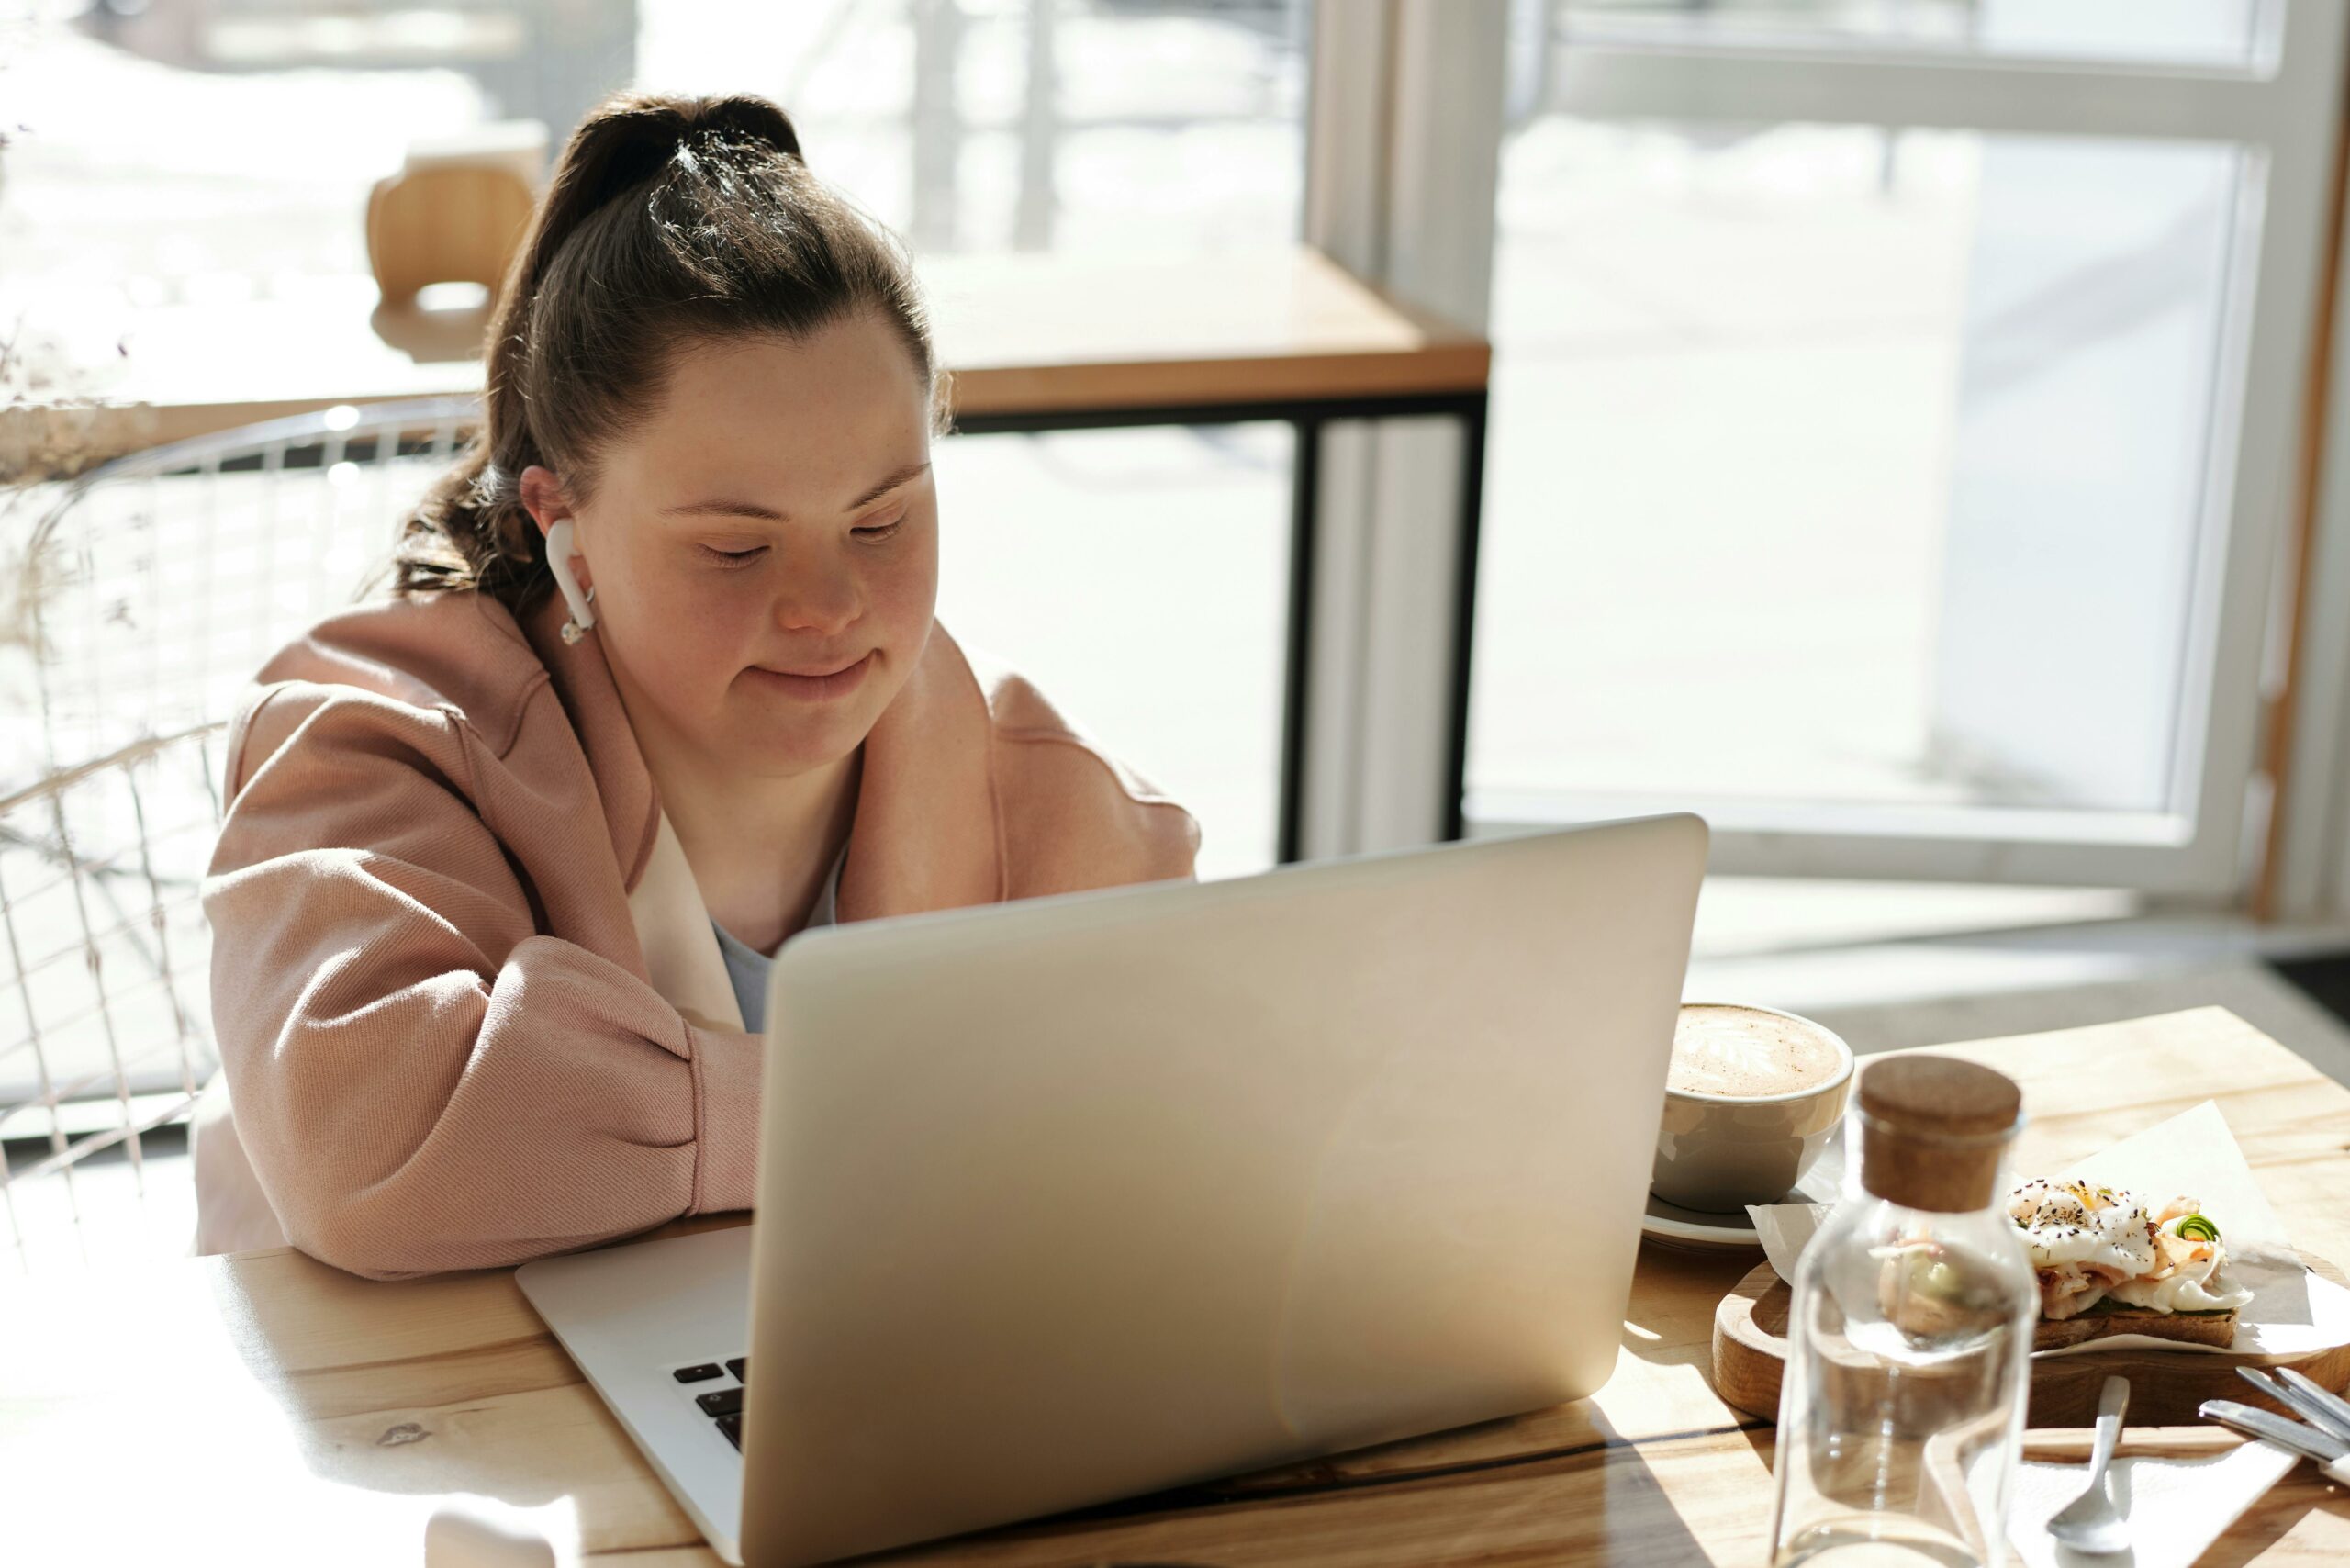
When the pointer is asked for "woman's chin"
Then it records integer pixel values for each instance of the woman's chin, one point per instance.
(794, 756)
(765, 742)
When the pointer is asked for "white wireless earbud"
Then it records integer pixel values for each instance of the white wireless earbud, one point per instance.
(567, 582)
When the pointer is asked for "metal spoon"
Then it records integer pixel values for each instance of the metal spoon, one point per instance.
(2091, 1523)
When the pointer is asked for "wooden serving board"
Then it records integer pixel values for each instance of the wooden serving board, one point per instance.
(2065, 1445)
(2166, 1387)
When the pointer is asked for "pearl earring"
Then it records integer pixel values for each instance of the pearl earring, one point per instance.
(572, 630)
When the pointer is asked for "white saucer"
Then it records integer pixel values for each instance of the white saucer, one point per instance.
(1687, 1230)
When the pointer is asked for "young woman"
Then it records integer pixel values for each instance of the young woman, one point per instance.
(658, 685)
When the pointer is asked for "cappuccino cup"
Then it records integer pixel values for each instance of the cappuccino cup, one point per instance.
(1752, 1099)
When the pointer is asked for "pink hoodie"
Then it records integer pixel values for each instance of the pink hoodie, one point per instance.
(469, 1004)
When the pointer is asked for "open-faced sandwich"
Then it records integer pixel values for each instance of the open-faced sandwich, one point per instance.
(2107, 1264)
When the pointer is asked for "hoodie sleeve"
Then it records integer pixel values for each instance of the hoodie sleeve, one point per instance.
(422, 1081)
(1085, 819)
(1078, 817)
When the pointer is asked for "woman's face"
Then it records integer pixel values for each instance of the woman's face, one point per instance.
(764, 548)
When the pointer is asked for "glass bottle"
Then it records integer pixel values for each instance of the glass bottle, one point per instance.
(1909, 1335)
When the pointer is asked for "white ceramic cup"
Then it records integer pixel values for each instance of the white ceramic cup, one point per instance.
(1717, 1153)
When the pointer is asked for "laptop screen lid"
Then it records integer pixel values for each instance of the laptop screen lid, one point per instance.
(1077, 1197)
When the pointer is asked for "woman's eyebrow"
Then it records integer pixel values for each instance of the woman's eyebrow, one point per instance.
(906, 475)
(722, 508)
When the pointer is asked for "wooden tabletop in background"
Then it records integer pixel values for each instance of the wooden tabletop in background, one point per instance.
(1027, 333)
(270, 1406)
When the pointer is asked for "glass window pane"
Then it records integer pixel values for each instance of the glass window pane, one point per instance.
(1832, 464)
(1140, 577)
(976, 125)
(149, 163)
(2204, 32)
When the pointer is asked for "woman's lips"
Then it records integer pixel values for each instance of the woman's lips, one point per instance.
(813, 688)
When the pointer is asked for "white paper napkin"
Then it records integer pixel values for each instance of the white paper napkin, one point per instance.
(2175, 1508)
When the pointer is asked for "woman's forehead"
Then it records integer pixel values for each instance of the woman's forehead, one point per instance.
(790, 417)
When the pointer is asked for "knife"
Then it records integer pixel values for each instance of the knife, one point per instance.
(2332, 1454)
(2303, 1398)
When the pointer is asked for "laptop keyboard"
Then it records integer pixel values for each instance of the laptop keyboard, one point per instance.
(723, 1405)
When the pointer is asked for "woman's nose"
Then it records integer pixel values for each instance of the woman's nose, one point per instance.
(820, 601)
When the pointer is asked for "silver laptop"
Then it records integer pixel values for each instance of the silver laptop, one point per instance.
(1073, 1198)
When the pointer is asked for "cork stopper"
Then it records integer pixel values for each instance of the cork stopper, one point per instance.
(1932, 1130)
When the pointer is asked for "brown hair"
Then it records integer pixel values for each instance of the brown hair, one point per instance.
(668, 219)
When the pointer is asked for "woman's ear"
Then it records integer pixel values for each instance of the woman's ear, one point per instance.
(542, 497)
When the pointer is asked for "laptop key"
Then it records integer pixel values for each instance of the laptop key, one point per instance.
(732, 1427)
(720, 1402)
(739, 1366)
(702, 1374)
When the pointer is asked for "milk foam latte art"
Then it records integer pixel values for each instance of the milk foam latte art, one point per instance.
(1748, 1052)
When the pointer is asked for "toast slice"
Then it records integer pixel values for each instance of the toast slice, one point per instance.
(2108, 1318)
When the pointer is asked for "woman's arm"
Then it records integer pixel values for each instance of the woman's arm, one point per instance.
(423, 1080)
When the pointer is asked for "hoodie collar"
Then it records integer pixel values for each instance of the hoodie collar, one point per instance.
(583, 682)
(928, 834)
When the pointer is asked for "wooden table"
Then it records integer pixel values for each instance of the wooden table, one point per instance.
(1032, 343)
(272, 1406)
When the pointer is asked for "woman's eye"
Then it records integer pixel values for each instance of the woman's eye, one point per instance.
(879, 530)
(734, 557)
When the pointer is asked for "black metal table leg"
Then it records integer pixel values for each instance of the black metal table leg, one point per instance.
(1464, 611)
(1305, 500)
